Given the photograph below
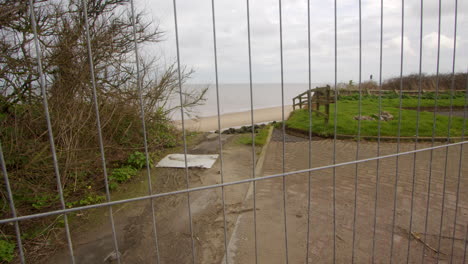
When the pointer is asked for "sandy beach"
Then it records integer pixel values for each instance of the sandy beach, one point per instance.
(210, 123)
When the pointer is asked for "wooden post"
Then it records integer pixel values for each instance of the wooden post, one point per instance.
(300, 102)
(317, 100)
(294, 104)
(327, 105)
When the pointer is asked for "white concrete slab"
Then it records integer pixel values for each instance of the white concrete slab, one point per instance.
(197, 161)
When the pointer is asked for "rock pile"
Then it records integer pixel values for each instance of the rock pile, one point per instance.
(363, 118)
(244, 129)
(385, 116)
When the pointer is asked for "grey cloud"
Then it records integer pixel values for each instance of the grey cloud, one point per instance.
(196, 38)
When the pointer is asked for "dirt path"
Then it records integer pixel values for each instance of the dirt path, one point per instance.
(93, 242)
(134, 228)
(270, 216)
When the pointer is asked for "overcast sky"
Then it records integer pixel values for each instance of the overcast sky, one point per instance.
(196, 38)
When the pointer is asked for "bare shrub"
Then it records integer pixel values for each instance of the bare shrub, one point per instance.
(23, 129)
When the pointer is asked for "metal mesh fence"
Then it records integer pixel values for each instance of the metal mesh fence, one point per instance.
(452, 200)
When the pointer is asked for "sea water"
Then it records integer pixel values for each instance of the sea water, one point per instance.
(236, 97)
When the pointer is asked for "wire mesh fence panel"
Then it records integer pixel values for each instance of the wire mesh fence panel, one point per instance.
(88, 111)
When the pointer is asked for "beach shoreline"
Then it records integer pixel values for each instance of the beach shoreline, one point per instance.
(237, 119)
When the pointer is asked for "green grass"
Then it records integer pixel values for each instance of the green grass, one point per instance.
(7, 251)
(427, 98)
(413, 102)
(347, 125)
(260, 137)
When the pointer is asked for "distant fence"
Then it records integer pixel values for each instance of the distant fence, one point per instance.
(377, 92)
(313, 98)
(323, 96)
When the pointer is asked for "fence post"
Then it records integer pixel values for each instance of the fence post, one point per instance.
(317, 106)
(327, 105)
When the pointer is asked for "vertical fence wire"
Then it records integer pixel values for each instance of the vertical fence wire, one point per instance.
(284, 132)
(99, 129)
(42, 83)
(334, 136)
(449, 125)
(254, 184)
(400, 97)
(309, 100)
(417, 130)
(460, 167)
(184, 136)
(466, 244)
(433, 130)
(379, 129)
(143, 125)
(358, 137)
(221, 171)
(11, 202)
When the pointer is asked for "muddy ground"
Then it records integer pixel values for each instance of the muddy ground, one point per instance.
(273, 244)
(93, 240)
(268, 245)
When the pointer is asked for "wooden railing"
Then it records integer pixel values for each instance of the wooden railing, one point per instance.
(318, 96)
(313, 98)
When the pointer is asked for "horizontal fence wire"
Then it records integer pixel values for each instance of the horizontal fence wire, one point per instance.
(201, 188)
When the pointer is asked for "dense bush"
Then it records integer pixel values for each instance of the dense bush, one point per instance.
(138, 160)
(122, 174)
(27, 151)
(428, 82)
(412, 82)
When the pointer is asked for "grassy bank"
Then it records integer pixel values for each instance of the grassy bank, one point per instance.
(260, 137)
(348, 109)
